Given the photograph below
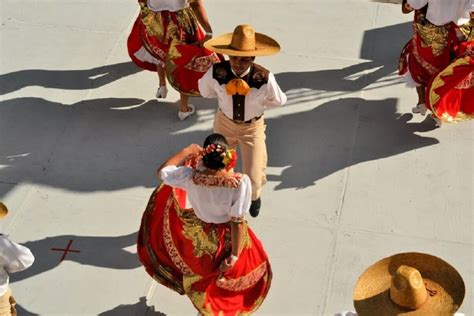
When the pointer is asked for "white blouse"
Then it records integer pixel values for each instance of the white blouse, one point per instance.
(211, 204)
(441, 12)
(167, 5)
(13, 258)
(269, 95)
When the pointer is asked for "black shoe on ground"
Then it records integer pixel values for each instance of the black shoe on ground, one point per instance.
(255, 207)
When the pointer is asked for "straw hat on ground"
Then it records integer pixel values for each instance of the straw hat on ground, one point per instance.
(409, 284)
(244, 41)
(3, 210)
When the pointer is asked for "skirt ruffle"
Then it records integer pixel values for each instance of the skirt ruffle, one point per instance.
(450, 94)
(184, 253)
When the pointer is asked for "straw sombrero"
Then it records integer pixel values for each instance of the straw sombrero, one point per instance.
(3, 210)
(244, 41)
(409, 284)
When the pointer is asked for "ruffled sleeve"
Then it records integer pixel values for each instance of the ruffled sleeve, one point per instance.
(176, 176)
(241, 200)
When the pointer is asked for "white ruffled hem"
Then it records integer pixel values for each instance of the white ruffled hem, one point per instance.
(143, 55)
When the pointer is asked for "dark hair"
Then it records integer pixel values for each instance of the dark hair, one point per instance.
(213, 160)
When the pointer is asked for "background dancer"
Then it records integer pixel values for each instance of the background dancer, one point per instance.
(165, 38)
(13, 258)
(429, 50)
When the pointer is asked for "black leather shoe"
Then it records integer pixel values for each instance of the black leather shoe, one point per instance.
(255, 207)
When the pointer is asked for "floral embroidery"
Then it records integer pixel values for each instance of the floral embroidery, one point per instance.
(217, 181)
(240, 219)
(203, 63)
(244, 282)
(168, 240)
(203, 243)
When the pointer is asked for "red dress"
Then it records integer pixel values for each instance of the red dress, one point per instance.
(429, 50)
(450, 94)
(172, 40)
(184, 253)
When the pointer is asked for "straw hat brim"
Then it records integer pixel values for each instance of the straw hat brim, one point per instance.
(3, 210)
(264, 46)
(372, 292)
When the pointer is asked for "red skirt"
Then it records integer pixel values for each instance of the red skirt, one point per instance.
(171, 39)
(450, 95)
(184, 253)
(428, 52)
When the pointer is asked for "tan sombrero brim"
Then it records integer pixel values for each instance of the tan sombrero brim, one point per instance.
(264, 46)
(3, 210)
(372, 292)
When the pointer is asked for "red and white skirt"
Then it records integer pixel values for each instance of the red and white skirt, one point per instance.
(450, 95)
(184, 253)
(427, 53)
(171, 39)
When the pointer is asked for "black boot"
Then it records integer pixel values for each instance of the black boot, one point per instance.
(255, 207)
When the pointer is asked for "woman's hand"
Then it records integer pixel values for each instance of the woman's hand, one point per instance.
(228, 263)
(192, 149)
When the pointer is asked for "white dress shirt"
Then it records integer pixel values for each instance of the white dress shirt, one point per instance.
(167, 5)
(211, 204)
(269, 95)
(441, 12)
(13, 258)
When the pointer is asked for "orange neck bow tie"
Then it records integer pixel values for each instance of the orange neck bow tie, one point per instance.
(237, 86)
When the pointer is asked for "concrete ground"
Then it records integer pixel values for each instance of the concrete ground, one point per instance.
(353, 175)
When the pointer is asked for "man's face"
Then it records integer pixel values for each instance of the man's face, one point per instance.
(240, 64)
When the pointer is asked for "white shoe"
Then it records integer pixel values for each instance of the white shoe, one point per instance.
(162, 92)
(184, 115)
(419, 108)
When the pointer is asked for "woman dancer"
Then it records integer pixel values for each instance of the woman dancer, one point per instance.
(429, 50)
(450, 93)
(207, 252)
(166, 38)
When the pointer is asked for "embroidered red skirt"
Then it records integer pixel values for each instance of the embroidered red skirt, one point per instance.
(450, 95)
(184, 253)
(428, 52)
(171, 39)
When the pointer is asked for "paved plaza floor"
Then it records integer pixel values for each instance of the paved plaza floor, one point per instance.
(353, 175)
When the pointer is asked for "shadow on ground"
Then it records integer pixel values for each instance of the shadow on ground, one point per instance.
(382, 61)
(66, 79)
(138, 309)
(339, 134)
(98, 251)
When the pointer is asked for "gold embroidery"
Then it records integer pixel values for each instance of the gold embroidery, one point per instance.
(189, 280)
(217, 181)
(466, 83)
(244, 282)
(202, 64)
(168, 240)
(203, 243)
(433, 36)
(429, 67)
(439, 82)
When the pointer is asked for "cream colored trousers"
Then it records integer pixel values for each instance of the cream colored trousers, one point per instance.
(250, 137)
(7, 304)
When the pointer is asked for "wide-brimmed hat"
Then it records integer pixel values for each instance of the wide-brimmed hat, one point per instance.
(244, 41)
(3, 210)
(409, 284)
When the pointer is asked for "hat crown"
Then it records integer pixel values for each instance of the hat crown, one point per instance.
(408, 289)
(243, 38)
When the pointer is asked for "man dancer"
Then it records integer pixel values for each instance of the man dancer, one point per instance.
(244, 90)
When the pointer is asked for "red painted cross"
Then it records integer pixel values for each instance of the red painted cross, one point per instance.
(65, 250)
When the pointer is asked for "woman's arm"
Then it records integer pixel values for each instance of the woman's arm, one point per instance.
(236, 240)
(178, 158)
(200, 11)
